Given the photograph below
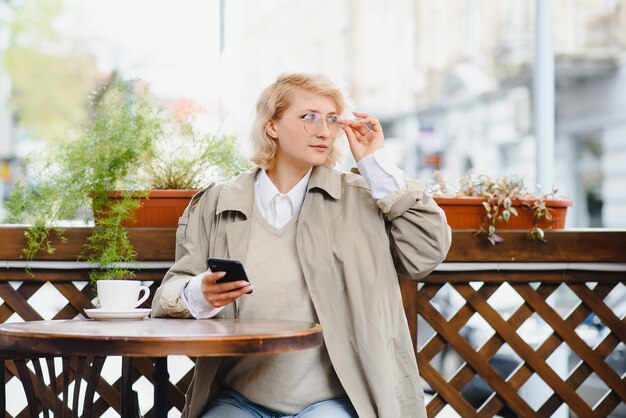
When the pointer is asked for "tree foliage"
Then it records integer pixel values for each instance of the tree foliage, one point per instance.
(50, 72)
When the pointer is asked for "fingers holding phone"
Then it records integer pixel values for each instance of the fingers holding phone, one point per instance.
(221, 294)
(224, 282)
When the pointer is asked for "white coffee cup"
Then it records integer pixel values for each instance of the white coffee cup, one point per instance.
(121, 295)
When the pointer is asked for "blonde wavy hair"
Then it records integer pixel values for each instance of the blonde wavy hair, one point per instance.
(273, 103)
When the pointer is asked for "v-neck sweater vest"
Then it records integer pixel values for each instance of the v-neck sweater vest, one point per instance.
(287, 382)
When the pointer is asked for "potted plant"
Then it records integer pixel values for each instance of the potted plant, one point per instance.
(101, 177)
(486, 204)
(185, 160)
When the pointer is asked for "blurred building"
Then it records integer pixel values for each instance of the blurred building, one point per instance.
(358, 42)
(452, 83)
(476, 113)
(7, 125)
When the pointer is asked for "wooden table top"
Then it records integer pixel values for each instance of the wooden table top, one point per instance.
(159, 337)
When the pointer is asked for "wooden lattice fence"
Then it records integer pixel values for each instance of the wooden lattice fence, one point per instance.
(542, 271)
(16, 289)
(534, 287)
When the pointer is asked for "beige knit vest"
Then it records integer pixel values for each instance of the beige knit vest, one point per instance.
(286, 382)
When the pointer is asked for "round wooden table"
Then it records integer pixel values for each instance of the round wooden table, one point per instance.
(155, 338)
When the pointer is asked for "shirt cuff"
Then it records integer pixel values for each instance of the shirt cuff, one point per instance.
(382, 175)
(198, 306)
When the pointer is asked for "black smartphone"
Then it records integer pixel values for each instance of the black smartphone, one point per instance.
(233, 268)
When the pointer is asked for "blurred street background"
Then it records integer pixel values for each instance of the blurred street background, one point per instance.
(451, 80)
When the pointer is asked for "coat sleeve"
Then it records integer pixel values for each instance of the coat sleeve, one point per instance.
(419, 233)
(191, 249)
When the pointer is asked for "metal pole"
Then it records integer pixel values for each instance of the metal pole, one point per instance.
(543, 83)
(222, 26)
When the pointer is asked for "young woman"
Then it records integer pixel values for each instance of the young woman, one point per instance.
(318, 245)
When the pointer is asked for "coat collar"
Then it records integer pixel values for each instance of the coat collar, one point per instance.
(237, 194)
(326, 179)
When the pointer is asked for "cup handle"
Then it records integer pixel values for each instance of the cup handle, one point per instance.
(146, 293)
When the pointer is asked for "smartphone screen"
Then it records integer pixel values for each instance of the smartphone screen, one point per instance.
(234, 269)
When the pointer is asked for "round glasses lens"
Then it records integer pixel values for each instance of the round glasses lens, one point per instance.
(312, 123)
(333, 124)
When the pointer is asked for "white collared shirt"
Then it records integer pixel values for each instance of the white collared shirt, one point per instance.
(277, 208)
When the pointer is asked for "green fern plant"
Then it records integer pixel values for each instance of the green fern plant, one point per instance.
(130, 144)
(108, 245)
(80, 175)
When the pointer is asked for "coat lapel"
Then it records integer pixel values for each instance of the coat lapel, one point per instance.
(312, 234)
(236, 199)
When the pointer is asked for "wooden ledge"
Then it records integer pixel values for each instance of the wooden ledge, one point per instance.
(568, 245)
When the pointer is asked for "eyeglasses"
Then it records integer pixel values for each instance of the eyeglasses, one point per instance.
(314, 123)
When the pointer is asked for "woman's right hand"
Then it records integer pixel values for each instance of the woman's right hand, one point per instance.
(221, 294)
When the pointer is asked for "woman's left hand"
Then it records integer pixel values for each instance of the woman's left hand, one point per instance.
(363, 140)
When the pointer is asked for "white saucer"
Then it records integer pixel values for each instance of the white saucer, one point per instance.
(104, 315)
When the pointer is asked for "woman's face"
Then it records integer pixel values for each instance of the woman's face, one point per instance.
(299, 145)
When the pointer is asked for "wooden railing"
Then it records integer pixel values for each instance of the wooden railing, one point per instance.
(586, 268)
(586, 265)
(66, 287)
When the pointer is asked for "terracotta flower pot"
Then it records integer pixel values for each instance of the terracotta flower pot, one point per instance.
(468, 213)
(161, 209)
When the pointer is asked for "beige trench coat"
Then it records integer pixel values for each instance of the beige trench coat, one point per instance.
(351, 248)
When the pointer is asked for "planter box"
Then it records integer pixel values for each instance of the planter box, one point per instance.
(468, 213)
(161, 209)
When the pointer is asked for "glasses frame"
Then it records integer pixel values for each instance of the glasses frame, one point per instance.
(314, 126)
